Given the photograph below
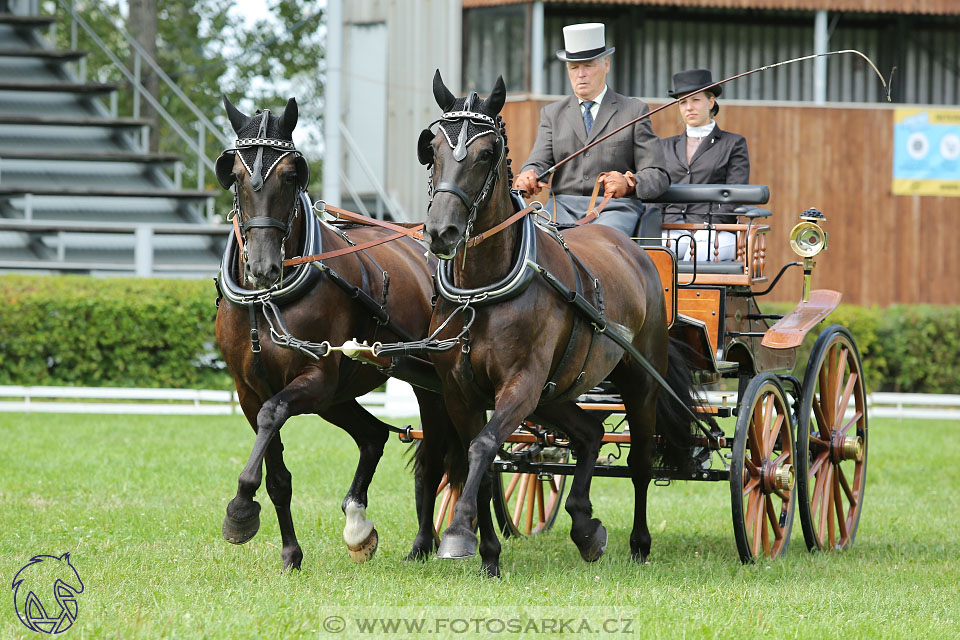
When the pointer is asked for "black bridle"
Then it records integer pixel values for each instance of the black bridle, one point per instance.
(487, 126)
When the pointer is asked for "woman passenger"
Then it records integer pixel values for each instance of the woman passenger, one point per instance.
(703, 154)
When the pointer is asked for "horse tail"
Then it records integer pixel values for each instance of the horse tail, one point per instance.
(675, 424)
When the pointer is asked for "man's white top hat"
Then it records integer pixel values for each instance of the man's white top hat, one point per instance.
(584, 42)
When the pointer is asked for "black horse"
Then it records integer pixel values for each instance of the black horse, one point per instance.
(277, 316)
(527, 350)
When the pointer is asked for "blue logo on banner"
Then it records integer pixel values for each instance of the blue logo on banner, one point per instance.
(45, 593)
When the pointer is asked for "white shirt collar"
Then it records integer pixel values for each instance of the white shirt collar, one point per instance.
(702, 131)
(598, 99)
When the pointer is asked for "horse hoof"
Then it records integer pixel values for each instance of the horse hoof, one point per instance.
(365, 550)
(490, 571)
(240, 531)
(594, 549)
(457, 546)
(417, 555)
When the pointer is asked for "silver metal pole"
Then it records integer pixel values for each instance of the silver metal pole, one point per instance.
(821, 44)
(332, 156)
(136, 85)
(536, 48)
(201, 154)
(143, 251)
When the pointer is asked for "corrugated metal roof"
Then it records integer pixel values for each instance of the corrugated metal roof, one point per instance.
(933, 7)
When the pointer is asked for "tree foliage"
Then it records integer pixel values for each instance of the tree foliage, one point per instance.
(208, 48)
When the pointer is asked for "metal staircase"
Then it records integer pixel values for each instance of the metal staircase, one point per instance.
(78, 192)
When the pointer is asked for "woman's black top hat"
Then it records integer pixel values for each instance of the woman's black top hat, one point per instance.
(691, 81)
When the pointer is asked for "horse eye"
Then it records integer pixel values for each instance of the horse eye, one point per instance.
(289, 178)
(486, 154)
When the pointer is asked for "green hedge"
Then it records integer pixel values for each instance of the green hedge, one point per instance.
(83, 331)
(123, 332)
(905, 348)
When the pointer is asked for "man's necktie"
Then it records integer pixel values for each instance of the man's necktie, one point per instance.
(587, 116)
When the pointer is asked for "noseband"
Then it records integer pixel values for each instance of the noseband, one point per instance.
(487, 126)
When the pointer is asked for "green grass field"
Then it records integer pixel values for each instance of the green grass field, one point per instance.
(138, 502)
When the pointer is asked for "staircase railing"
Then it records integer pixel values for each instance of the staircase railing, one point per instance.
(203, 126)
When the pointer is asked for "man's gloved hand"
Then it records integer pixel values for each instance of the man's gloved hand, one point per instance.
(618, 185)
(527, 181)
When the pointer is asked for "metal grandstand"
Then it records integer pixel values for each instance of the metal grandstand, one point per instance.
(79, 192)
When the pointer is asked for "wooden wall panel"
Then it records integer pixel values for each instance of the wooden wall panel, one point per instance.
(883, 249)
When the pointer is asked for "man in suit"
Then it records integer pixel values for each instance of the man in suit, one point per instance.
(633, 158)
(703, 154)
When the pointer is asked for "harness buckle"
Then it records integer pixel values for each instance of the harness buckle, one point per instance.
(406, 434)
(255, 341)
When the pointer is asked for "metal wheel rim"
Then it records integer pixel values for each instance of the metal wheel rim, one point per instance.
(762, 511)
(829, 486)
(524, 504)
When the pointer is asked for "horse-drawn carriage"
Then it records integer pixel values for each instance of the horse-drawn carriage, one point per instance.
(555, 331)
(794, 441)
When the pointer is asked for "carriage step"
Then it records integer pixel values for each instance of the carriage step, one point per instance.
(49, 54)
(61, 87)
(74, 122)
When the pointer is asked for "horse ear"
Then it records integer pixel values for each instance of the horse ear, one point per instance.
(238, 120)
(303, 172)
(288, 121)
(425, 147)
(224, 169)
(494, 102)
(441, 94)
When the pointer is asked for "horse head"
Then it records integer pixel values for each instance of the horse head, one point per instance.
(466, 157)
(267, 174)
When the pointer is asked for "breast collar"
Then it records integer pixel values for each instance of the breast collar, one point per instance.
(288, 289)
(509, 287)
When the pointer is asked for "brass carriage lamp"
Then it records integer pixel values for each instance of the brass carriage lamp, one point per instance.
(807, 240)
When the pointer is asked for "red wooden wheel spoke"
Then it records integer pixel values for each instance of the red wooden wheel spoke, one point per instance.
(783, 494)
(518, 507)
(817, 442)
(821, 419)
(531, 499)
(758, 527)
(837, 379)
(841, 516)
(774, 434)
(751, 513)
(510, 487)
(845, 400)
(815, 467)
(825, 491)
(783, 457)
(774, 519)
(753, 438)
(752, 469)
(826, 410)
(820, 480)
(444, 483)
(854, 420)
(541, 510)
(846, 488)
(751, 484)
(831, 525)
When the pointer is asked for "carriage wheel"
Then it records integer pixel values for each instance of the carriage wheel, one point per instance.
(443, 511)
(524, 503)
(833, 471)
(761, 471)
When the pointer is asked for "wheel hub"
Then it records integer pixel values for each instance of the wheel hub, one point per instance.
(776, 477)
(846, 447)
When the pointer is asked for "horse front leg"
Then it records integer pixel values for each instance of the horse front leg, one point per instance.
(279, 488)
(459, 541)
(371, 435)
(586, 435)
(242, 520)
(429, 468)
(641, 411)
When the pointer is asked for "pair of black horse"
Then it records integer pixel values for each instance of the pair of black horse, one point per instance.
(526, 351)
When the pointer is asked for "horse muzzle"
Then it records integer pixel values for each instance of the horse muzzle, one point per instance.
(262, 274)
(443, 240)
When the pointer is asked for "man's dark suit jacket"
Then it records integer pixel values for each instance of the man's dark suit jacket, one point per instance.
(635, 149)
(721, 158)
